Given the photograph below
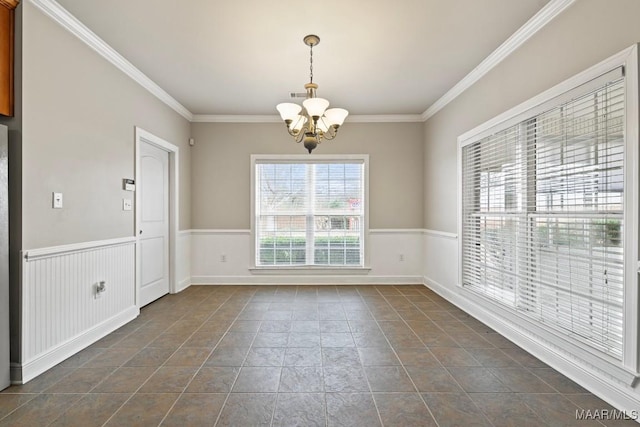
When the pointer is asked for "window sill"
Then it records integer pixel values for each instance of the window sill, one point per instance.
(311, 270)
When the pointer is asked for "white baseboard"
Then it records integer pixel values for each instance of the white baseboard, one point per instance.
(183, 284)
(306, 280)
(27, 371)
(619, 396)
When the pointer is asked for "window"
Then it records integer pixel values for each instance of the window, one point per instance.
(543, 213)
(309, 211)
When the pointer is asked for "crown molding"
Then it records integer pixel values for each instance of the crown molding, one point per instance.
(55, 11)
(60, 15)
(385, 118)
(524, 33)
(382, 118)
(234, 118)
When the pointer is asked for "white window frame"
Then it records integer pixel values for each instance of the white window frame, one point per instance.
(626, 370)
(311, 269)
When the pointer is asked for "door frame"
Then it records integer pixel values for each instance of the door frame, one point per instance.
(141, 136)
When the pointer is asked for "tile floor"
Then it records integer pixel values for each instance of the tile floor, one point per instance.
(300, 355)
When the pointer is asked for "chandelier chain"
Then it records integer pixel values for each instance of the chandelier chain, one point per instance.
(311, 64)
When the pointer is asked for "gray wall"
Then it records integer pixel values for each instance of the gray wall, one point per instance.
(79, 113)
(73, 132)
(220, 173)
(583, 35)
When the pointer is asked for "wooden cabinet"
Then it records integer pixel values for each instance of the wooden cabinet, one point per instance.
(6, 55)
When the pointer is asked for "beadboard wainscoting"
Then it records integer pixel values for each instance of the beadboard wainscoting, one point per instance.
(62, 312)
(440, 264)
(224, 257)
(615, 386)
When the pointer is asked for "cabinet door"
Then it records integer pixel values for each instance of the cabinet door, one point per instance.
(6, 55)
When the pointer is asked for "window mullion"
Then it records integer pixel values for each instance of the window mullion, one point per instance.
(310, 222)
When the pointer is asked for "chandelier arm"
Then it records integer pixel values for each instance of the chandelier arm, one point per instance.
(300, 135)
(331, 133)
(288, 124)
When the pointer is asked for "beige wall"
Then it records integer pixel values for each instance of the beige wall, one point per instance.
(583, 35)
(78, 138)
(221, 169)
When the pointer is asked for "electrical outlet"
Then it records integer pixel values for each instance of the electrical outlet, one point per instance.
(401, 257)
(99, 289)
(223, 258)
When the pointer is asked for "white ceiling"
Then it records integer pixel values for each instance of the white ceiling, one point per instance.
(243, 57)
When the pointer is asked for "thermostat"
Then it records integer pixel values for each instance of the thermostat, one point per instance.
(128, 185)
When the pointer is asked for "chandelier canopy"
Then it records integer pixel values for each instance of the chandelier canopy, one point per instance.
(312, 122)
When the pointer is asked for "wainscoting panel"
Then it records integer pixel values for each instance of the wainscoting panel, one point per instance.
(441, 257)
(396, 255)
(224, 257)
(62, 311)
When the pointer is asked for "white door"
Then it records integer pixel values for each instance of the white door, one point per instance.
(153, 235)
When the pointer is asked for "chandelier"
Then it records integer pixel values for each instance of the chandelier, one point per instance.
(312, 122)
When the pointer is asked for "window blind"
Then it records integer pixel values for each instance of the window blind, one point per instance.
(309, 213)
(542, 216)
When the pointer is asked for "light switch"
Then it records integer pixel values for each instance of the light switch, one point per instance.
(127, 205)
(57, 200)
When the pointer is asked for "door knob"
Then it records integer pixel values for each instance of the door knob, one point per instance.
(140, 232)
